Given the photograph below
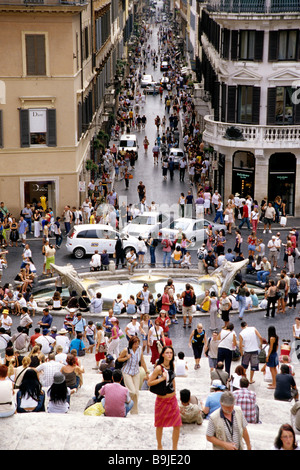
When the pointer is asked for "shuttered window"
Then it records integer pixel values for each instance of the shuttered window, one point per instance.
(248, 104)
(284, 45)
(35, 54)
(234, 44)
(225, 43)
(1, 128)
(231, 104)
(282, 108)
(250, 45)
(41, 132)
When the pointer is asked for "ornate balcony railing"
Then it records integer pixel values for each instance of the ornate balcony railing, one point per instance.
(251, 135)
(41, 2)
(254, 6)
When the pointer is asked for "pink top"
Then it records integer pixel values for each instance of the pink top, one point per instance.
(115, 398)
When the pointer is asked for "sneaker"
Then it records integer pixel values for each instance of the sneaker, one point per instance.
(270, 231)
(264, 231)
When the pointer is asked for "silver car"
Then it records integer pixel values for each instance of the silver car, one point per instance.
(177, 155)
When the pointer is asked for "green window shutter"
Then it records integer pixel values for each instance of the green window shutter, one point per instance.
(51, 127)
(24, 128)
(35, 54)
(1, 128)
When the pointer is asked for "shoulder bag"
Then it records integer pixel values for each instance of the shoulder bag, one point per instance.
(160, 388)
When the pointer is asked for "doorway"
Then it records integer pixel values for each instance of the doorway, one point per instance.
(282, 178)
(243, 173)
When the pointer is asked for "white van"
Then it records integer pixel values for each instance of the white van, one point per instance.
(85, 239)
(129, 142)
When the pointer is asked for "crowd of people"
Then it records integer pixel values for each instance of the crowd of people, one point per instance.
(41, 369)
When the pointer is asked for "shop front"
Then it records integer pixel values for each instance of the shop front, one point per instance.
(39, 190)
(243, 173)
(282, 178)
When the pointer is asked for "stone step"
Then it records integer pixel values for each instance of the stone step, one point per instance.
(135, 432)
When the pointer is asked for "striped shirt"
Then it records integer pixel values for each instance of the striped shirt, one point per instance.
(132, 365)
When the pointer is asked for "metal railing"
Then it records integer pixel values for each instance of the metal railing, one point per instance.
(254, 6)
(41, 2)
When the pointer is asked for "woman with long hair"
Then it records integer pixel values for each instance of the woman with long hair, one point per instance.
(272, 360)
(167, 413)
(30, 396)
(59, 395)
(285, 439)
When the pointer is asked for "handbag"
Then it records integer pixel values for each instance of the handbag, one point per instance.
(160, 388)
(102, 348)
(283, 221)
(159, 344)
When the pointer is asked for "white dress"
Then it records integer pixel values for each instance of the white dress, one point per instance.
(213, 314)
(37, 228)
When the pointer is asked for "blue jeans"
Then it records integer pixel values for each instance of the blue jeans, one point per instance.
(128, 406)
(245, 220)
(67, 227)
(262, 276)
(219, 215)
(242, 306)
(29, 223)
(152, 255)
(167, 258)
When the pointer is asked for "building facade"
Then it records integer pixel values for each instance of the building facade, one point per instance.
(250, 65)
(57, 63)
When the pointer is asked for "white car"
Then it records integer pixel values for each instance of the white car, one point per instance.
(194, 229)
(129, 142)
(85, 239)
(146, 224)
(146, 80)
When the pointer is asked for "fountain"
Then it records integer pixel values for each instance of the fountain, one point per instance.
(110, 284)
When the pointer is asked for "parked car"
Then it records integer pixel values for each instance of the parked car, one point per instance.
(146, 224)
(194, 229)
(146, 80)
(129, 142)
(84, 239)
(177, 155)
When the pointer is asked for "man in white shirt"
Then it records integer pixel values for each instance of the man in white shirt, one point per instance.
(274, 246)
(85, 211)
(264, 273)
(62, 340)
(232, 298)
(6, 321)
(248, 343)
(46, 341)
(131, 260)
(95, 262)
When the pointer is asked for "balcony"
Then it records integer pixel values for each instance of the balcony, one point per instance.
(252, 136)
(254, 6)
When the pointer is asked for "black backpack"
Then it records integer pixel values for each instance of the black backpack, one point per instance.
(188, 299)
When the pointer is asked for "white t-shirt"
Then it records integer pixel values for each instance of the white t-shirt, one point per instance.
(228, 339)
(64, 342)
(133, 329)
(249, 339)
(155, 335)
(45, 342)
(5, 322)
(180, 369)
